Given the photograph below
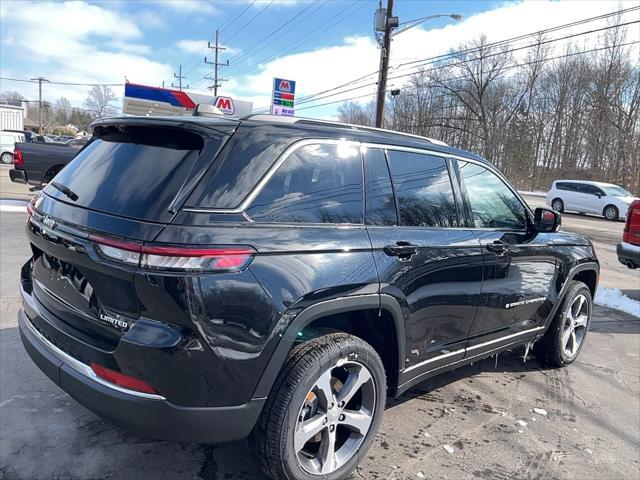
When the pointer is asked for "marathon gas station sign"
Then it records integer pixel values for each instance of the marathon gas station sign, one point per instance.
(284, 92)
(154, 101)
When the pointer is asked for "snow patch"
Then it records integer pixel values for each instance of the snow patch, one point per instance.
(540, 411)
(532, 194)
(614, 298)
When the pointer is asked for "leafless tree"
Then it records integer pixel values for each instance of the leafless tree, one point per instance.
(537, 116)
(99, 101)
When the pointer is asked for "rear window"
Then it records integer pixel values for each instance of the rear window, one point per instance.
(133, 171)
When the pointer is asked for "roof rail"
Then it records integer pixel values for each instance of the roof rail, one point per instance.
(291, 120)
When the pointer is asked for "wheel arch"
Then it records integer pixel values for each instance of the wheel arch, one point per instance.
(52, 172)
(320, 315)
(588, 273)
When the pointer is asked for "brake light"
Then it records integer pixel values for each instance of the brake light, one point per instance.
(174, 258)
(122, 380)
(18, 161)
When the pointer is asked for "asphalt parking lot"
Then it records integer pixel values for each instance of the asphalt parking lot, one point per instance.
(483, 413)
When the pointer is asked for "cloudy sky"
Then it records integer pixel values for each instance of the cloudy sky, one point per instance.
(318, 43)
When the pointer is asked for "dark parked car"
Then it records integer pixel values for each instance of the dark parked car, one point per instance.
(36, 163)
(208, 279)
(629, 248)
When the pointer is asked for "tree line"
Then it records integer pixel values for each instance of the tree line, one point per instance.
(537, 116)
(55, 116)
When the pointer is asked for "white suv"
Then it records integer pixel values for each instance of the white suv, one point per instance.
(606, 199)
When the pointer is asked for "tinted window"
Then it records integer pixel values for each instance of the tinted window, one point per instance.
(423, 187)
(492, 203)
(315, 184)
(134, 172)
(591, 189)
(570, 187)
(381, 204)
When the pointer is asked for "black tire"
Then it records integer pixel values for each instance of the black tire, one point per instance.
(558, 205)
(611, 212)
(550, 349)
(273, 437)
(6, 158)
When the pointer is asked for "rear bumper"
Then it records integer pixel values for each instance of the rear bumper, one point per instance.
(147, 415)
(628, 252)
(18, 176)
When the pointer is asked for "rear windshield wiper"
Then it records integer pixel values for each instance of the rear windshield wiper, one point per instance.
(66, 190)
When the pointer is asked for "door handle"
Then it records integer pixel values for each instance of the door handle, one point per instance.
(401, 250)
(498, 247)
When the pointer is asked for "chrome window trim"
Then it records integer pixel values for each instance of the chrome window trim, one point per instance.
(83, 368)
(474, 347)
(513, 335)
(246, 203)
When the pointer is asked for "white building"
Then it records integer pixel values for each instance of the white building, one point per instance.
(12, 117)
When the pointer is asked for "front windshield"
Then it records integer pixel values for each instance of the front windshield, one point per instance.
(616, 191)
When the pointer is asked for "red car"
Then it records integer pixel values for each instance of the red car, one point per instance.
(629, 247)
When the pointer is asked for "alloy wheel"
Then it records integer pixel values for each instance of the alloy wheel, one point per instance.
(575, 326)
(610, 213)
(335, 418)
(557, 206)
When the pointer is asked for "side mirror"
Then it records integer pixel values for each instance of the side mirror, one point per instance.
(547, 220)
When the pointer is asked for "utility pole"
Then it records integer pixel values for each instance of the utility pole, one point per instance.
(40, 80)
(216, 48)
(385, 22)
(180, 78)
(389, 22)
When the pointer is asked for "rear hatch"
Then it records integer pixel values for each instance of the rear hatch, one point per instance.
(115, 196)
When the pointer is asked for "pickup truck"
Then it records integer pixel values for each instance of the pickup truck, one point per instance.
(37, 163)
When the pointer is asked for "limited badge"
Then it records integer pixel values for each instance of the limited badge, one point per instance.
(115, 320)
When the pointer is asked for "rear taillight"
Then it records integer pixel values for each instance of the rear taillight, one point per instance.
(122, 380)
(174, 258)
(18, 161)
(627, 222)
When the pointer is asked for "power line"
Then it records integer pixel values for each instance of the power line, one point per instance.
(494, 44)
(327, 94)
(245, 52)
(78, 84)
(250, 21)
(582, 52)
(297, 43)
(227, 25)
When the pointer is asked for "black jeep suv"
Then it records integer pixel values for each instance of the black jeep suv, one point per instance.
(210, 279)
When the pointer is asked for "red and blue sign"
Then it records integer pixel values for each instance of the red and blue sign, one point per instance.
(155, 94)
(283, 97)
(282, 85)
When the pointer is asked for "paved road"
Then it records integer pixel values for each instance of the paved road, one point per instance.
(592, 429)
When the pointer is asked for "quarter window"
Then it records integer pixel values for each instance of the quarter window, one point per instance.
(423, 187)
(492, 203)
(316, 184)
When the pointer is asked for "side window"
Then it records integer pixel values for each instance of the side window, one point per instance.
(315, 184)
(492, 203)
(564, 186)
(423, 187)
(591, 189)
(381, 203)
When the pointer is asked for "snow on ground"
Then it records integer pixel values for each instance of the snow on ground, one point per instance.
(532, 194)
(614, 298)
